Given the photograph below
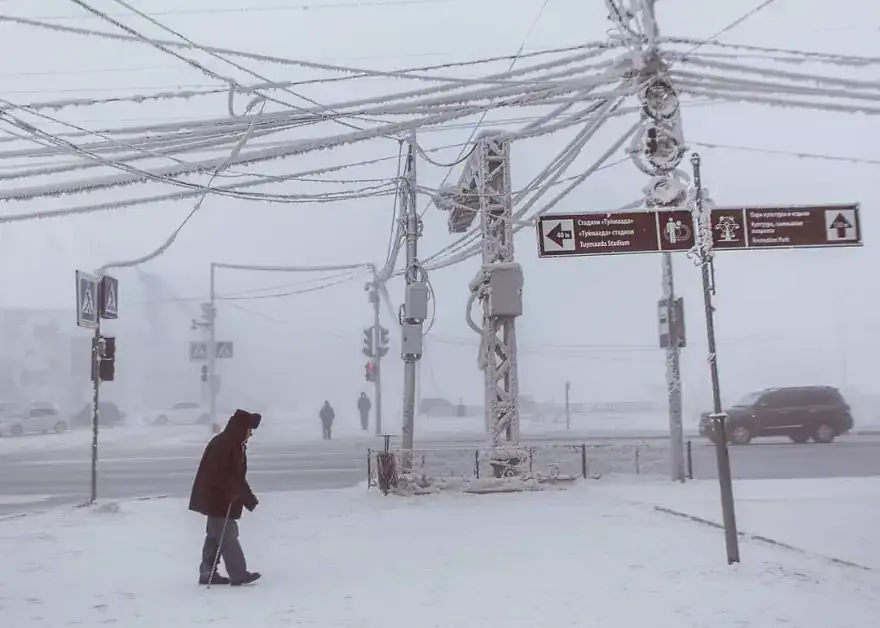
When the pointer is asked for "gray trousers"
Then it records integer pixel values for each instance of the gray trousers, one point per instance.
(233, 556)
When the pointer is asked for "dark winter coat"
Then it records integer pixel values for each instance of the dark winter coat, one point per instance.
(221, 481)
(364, 404)
(327, 414)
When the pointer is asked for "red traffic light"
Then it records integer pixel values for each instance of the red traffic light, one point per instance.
(370, 372)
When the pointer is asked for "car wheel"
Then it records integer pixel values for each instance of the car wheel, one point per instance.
(16, 430)
(161, 420)
(741, 435)
(800, 437)
(824, 433)
(61, 426)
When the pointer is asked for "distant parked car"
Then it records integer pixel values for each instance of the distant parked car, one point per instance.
(181, 413)
(801, 413)
(40, 418)
(109, 415)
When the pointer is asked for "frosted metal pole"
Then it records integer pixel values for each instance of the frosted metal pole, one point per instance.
(725, 481)
(409, 360)
(377, 337)
(673, 373)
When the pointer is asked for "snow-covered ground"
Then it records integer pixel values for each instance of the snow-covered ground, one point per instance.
(834, 517)
(597, 554)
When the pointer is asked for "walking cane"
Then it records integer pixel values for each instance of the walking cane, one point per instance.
(219, 546)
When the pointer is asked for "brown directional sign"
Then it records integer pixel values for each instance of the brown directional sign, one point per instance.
(646, 231)
(786, 227)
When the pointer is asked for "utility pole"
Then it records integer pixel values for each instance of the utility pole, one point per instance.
(414, 310)
(673, 371)
(484, 193)
(725, 482)
(567, 406)
(657, 151)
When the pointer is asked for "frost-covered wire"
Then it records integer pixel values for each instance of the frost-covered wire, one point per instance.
(294, 148)
(234, 86)
(287, 293)
(171, 239)
(598, 45)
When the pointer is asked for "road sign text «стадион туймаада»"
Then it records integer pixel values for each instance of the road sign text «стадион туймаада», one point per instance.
(785, 227)
(645, 231)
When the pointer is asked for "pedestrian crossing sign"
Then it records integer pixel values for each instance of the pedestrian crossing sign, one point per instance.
(86, 300)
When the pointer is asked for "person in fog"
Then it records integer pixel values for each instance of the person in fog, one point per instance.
(364, 408)
(327, 415)
(220, 491)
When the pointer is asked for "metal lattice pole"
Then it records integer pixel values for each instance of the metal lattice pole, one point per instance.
(484, 190)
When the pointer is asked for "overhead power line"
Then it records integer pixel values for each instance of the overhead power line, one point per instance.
(278, 8)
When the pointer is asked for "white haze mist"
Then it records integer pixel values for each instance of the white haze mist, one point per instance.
(784, 317)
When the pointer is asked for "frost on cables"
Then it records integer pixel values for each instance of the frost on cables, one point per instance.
(404, 74)
(286, 119)
(454, 82)
(608, 76)
(294, 148)
(789, 54)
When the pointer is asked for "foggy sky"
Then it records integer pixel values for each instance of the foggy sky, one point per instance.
(784, 317)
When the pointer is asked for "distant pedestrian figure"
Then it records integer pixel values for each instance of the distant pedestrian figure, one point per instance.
(364, 406)
(220, 491)
(327, 415)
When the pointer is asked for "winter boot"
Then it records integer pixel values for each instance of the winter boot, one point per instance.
(217, 579)
(249, 577)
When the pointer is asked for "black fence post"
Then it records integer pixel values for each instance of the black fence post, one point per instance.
(638, 464)
(477, 463)
(584, 460)
(690, 460)
(369, 468)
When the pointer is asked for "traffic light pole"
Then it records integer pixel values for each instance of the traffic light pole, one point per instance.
(96, 395)
(212, 351)
(377, 349)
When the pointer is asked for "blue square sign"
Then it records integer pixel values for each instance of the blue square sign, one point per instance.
(86, 300)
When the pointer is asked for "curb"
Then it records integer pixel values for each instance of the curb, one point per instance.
(763, 539)
(30, 513)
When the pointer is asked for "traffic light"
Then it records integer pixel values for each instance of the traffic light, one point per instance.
(370, 372)
(368, 343)
(382, 350)
(204, 373)
(107, 360)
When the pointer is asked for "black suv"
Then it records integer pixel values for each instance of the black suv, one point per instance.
(801, 413)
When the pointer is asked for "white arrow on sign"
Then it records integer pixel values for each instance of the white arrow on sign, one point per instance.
(557, 235)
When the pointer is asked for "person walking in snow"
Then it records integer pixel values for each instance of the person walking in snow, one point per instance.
(327, 415)
(220, 491)
(364, 408)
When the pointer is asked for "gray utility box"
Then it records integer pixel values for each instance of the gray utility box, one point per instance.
(411, 339)
(415, 301)
(505, 290)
